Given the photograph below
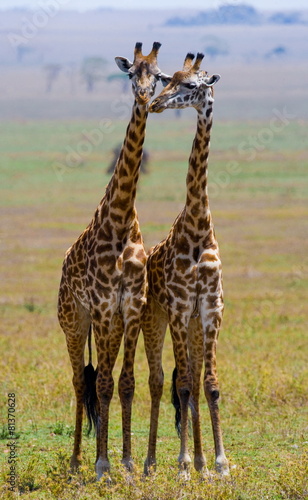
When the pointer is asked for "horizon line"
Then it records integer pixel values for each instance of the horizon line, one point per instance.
(111, 8)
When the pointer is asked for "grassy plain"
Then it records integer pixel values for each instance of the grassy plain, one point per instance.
(259, 205)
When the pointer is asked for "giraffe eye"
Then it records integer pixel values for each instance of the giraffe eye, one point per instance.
(190, 85)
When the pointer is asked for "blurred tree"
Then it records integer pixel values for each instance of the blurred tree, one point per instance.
(276, 52)
(22, 52)
(287, 18)
(92, 71)
(70, 73)
(120, 77)
(52, 72)
(215, 46)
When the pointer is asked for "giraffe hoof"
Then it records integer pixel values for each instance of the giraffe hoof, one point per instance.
(128, 464)
(222, 468)
(207, 476)
(184, 462)
(74, 465)
(107, 479)
(149, 467)
(204, 474)
(102, 469)
(184, 475)
(200, 464)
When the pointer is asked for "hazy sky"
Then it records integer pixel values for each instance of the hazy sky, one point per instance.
(157, 4)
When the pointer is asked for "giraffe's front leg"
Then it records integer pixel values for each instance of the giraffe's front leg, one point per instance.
(132, 305)
(127, 381)
(154, 325)
(195, 346)
(211, 318)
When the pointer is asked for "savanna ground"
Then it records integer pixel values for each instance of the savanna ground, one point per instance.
(259, 205)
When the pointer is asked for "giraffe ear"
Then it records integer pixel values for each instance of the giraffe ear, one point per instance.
(209, 82)
(123, 63)
(165, 79)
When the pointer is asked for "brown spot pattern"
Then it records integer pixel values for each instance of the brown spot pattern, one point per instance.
(185, 286)
(104, 283)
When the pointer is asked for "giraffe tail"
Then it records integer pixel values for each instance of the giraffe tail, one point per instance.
(175, 400)
(90, 399)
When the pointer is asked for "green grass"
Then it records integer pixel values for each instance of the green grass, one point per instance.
(260, 215)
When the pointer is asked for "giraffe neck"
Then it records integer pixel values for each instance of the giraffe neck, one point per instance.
(197, 211)
(121, 191)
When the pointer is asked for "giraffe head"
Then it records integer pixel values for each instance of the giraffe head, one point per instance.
(143, 72)
(190, 87)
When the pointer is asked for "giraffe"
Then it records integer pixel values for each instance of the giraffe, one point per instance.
(185, 284)
(103, 284)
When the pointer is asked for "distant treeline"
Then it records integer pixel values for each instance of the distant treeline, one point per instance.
(238, 14)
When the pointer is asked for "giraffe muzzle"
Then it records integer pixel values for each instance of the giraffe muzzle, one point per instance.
(143, 97)
(157, 106)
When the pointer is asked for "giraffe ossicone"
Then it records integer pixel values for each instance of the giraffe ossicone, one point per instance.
(185, 284)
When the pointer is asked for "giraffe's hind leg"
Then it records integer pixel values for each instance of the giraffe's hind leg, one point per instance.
(116, 335)
(195, 347)
(115, 338)
(154, 326)
(179, 332)
(75, 322)
(104, 389)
